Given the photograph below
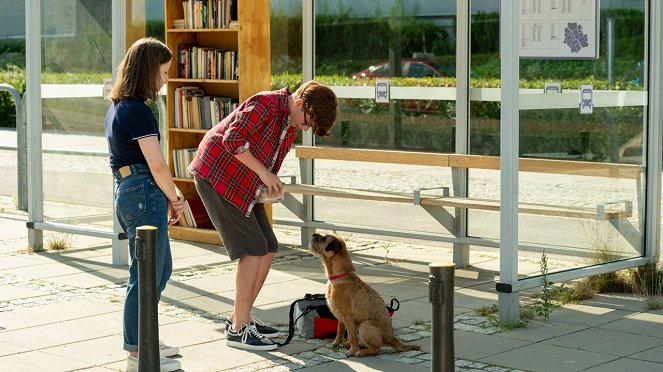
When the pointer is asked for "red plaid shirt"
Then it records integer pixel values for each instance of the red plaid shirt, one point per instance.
(256, 125)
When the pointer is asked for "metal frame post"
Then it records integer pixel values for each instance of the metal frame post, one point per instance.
(21, 148)
(509, 297)
(461, 251)
(34, 121)
(654, 81)
(120, 248)
(308, 73)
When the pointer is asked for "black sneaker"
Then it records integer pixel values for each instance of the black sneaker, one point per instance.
(248, 338)
(265, 330)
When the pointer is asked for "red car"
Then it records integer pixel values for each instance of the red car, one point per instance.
(409, 68)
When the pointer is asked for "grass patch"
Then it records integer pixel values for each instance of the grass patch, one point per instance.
(60, 242)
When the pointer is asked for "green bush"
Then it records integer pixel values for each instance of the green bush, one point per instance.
(15, 77)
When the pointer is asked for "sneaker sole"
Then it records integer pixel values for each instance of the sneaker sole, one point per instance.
(170, 367)
(167, 353)
(239, 345)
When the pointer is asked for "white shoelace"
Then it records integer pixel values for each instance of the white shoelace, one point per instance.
(251, 330)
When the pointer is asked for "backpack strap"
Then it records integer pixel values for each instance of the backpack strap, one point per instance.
(306, 310)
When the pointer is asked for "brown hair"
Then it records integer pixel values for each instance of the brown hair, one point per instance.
(320, 102)
(138, 73)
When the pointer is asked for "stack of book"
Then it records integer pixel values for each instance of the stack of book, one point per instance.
(209, 13)
(196, 62)
(181, 160)
(195, 214)
(194, 109)
(179, 24)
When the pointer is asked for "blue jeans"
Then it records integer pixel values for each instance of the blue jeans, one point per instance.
(138, 202)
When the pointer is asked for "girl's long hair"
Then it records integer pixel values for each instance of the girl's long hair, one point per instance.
(138, 73)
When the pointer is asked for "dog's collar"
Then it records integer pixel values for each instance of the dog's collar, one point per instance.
(339, 276)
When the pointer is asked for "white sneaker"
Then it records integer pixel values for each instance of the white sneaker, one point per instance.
(166, 364)
(166, 351)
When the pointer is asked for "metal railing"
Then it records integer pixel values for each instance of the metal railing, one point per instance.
(21, 147)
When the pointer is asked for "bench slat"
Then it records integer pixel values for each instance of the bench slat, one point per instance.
(373, 156)
(526, 208)
(450, 201)
(336, 192)
(570, 167)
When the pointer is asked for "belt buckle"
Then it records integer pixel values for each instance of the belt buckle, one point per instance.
(124, 171)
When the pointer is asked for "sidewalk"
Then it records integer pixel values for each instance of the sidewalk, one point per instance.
(62, 311)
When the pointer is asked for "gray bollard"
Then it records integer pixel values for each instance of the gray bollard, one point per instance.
(441, 295)
(148, 317)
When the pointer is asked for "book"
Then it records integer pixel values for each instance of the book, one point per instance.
(196, 209)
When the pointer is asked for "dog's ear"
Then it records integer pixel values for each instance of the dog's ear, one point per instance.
(335, 245)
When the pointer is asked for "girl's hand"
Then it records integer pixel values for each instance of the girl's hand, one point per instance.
(174, 216)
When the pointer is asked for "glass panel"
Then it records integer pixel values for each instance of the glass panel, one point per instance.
(286, 59)
(609, 141)
(77, 60)
(355, 43)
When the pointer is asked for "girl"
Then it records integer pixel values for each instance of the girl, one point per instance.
(145, 193)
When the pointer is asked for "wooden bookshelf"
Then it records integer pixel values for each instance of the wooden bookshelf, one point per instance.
(251, 39)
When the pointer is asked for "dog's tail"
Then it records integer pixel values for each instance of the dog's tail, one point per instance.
(397, 345)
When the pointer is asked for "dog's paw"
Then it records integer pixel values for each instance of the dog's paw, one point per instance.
(346, 344)
(337, 342)
(354, 351)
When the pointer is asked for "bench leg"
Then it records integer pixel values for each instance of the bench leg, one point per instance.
(461, 250)
(461, 255)
(306, 236)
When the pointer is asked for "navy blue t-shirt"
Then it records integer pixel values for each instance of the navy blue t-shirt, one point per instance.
(127, 121)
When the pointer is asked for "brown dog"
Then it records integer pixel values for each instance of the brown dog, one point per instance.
(358, 307)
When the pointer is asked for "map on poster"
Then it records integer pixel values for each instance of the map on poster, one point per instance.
(564, 29)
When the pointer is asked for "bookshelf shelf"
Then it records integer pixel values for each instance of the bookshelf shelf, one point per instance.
(187, 130)
(180, 179)
(203, 81)
(251, 40)
(187, 30)
(209, 236)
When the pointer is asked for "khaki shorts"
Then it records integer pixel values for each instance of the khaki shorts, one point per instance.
(240, 235)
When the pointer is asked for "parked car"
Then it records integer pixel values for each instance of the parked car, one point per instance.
(410, 67)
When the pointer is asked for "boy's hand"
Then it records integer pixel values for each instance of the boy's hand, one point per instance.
(272, 182)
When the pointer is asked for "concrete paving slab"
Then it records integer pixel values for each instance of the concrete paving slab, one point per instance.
(75, 309)
(612, 342)
(654, 354)
(365, 364)
(94, 352)
(45, 270)
(10, 292)
(403, 289)
(217, 303)
(473, 346)
(12, 320)
(187, 332)
(474, 298)
(537, 330)
(543, 358)
(627, 365)
(15, 261)
(92, 279)
(38, 360)
(177, 290)
(9, 349)
(50, 335)
(648, 324)
(616, 301)
(582, 314)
